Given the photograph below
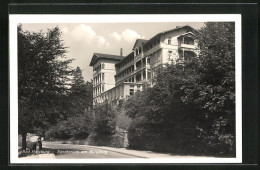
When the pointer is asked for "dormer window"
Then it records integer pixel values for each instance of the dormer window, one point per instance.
(170, 40)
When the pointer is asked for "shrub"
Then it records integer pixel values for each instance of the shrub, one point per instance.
(122, 120)
(105, 122)
(78, 127)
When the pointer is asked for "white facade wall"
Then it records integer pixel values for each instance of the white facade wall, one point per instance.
(104, 78)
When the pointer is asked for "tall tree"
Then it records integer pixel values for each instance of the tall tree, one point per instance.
(81, 95)
(43, 78)
(217, 85)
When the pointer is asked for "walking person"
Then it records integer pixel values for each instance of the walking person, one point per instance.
(40, 143)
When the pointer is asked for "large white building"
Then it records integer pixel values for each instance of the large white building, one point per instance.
(118, 77)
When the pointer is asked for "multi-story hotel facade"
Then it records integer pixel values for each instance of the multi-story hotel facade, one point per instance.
(118, 77)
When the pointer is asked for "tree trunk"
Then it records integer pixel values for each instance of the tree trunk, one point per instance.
(24, 141)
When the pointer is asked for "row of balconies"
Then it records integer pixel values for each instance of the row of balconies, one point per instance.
(125, 66)
(126, 75)
(152, 50)
(139, 56)
(134, 72)
(142, 67)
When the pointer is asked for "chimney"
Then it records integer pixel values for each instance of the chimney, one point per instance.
(121, 51)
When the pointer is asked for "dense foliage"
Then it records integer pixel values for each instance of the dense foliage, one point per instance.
(77, 127)
(191, 108)
(217, 86)
(105, 119)
(77, 122)
(80, 94)
(122, 120)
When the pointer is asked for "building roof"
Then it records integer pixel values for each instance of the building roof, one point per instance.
(98, 56)
(188, 33)
(139, 41)
(171, 30)
(176, 29)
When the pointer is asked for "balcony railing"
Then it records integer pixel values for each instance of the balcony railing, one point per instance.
(139, 56)
(125, 66)
(152, 50)
(190, 46)
(142, 67)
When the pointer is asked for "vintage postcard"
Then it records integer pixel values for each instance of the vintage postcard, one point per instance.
(125, 89)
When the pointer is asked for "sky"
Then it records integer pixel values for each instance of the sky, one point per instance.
(84, 39)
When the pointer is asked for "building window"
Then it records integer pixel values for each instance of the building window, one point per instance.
(144, 75)
(138, 88)
(149, 75)
(138, 64)
(144, 61)
(103, 76)
(170, 40)
(170, 55)
(138, 77)
(157, 58)
(131, 92)
(103, 88)
(103, 66)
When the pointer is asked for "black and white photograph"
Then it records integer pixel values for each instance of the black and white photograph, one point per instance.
(125, 89)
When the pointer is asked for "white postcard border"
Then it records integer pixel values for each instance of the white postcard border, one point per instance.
(14, 20)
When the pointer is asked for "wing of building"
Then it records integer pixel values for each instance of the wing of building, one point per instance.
(118, 77)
